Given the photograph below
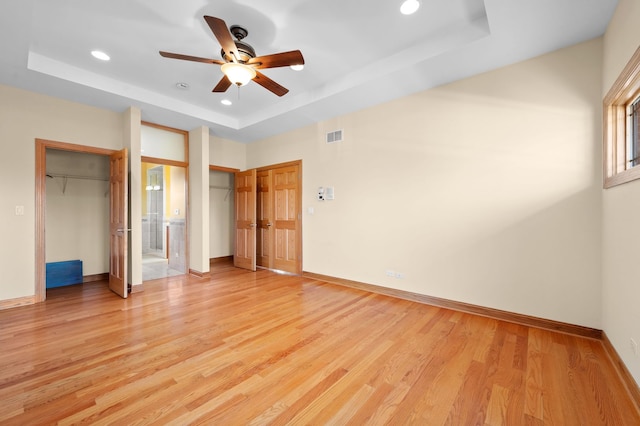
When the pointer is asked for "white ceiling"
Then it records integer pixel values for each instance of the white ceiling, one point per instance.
(357, 52)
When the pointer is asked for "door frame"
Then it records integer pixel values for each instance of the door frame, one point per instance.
(185, 165)
(175, 163)
(41, 147)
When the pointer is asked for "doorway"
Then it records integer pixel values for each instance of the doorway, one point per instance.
(62, 180)
(77, 214)
(221, 214)
(164, 234)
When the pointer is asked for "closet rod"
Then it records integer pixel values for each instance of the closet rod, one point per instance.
(226, 188)
(55, 175)
(65, 178)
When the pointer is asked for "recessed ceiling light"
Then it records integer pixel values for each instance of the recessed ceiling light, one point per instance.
(298, 67)
(226, 102)
(98, 54)
(409, 7)
(183, 86)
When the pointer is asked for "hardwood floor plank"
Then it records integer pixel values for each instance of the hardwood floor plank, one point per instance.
(497, 408)
(263, 348)
(329, 402)
(534, 393)
(300, 404)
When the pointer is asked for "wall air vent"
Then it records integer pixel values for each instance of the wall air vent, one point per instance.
(335, 136)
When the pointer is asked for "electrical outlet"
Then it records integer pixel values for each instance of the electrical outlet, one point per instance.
(400, 275)
(634, 347)
(390, 273)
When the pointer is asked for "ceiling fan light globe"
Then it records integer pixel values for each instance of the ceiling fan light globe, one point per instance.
(238, 74)
(409, 7)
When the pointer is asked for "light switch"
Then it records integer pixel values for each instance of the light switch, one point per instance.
(19, 210)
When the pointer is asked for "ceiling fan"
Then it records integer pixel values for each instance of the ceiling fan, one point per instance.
(239, 62)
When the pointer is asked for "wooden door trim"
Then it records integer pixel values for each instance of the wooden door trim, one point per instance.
(299, 222)
(40, 210)
(279, 165)
(164, 161)
(260, 225)
(223, 169)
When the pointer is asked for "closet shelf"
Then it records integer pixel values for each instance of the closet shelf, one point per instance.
(59, 175)
(66, 177)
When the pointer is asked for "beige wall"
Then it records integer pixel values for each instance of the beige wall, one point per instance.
(25, 116)
(485, 191)
(621, 210)
(199, 145)
(227, 153)
(177, 192)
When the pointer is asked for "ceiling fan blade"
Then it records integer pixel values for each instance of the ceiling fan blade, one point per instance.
(220, 30)
(276, 60)
(190, 58)
(269, 84)
(222, 85)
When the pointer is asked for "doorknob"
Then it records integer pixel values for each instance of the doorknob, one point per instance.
(122, 229)
(269, 224)
(252, 225)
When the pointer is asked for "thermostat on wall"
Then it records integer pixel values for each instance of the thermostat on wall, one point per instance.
(328, 193)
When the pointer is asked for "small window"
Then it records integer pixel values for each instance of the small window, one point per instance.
(163, 143)
(621, 126)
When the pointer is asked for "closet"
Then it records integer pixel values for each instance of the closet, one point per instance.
(77, 213)
(269, 218)
(221, 210)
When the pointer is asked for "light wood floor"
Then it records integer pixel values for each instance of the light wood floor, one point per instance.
(262, 348)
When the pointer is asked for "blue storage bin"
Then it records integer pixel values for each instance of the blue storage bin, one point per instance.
(63, 273)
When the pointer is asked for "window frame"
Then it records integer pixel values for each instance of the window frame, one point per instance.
(168, 161)
(633, 135)
(624, 91)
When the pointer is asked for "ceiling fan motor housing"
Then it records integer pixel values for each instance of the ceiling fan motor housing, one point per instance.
(245, 49)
